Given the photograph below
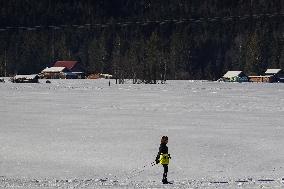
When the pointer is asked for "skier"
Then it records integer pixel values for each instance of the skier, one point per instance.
(163, 158)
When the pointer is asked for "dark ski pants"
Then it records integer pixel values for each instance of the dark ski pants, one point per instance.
(166, 169)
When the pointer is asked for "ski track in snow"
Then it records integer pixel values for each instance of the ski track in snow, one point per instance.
(85, 134)
(106, 183)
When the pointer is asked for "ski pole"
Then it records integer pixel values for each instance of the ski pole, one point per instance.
(147, 165)
(138, 171)
(142, 168)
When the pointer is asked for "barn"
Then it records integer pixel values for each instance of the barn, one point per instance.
(75, 70)
(63, 70)
(72, 66)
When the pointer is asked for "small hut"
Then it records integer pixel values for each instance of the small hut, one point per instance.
(277, 74)
(234, 76)
(106, 76)
(25, 78)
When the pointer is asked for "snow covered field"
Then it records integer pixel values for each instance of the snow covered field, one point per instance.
(84, 133)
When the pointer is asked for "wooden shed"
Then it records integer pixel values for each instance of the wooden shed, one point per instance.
(261, 79)
(106, 76)
(25, 78)
(235, 76)
(277, 74)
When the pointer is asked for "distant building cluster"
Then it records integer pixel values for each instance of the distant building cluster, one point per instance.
(270, 76)
(63, 70)
(60, 70)
(73, 70)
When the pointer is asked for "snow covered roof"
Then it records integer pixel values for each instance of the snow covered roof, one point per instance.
(54, 69)
(106, 75)
(272, 71)
(26, 76)
(231, 74)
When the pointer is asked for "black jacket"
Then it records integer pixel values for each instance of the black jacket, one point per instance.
(162, 150)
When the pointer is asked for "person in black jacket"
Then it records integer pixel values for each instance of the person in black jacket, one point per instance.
(163, 158)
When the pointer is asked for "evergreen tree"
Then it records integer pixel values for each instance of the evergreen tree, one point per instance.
(253, 55)
(152, 59)
(97, 55)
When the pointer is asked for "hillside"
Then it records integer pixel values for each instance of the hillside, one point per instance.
(147, 39)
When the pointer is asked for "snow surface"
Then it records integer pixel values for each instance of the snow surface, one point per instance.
(84, 133)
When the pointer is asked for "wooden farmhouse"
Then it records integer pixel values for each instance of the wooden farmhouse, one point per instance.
(234, 76)
(54, 73)
(75, 70)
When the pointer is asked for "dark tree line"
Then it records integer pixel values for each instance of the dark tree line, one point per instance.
(146, 40)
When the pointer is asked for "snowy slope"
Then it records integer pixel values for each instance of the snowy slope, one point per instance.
(84, 129)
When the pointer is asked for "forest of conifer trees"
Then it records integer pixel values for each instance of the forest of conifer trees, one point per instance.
(148, 40)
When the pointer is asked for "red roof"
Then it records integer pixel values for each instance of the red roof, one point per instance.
(67, 64)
